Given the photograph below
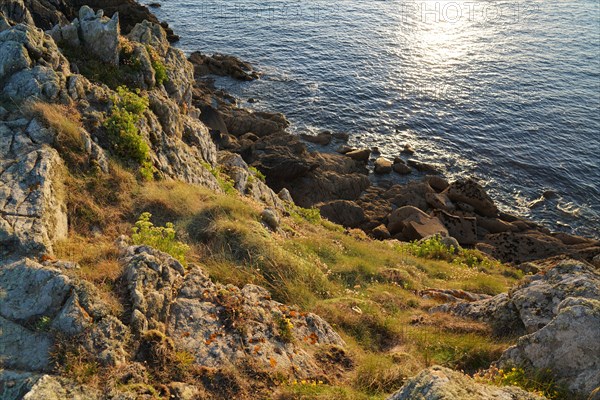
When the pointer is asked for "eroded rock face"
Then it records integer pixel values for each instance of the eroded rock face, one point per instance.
(16, 11)
(31, 65)
(151, 34)
(23, 349)
(247, 182)
(558, 310)
(439, 383)
(222, 325)
(568, 345)
(130, 12)
(32, 208)
(39, 301)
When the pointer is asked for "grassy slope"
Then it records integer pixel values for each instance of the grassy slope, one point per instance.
(364, 288)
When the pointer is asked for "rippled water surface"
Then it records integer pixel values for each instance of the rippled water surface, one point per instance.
(504, 91)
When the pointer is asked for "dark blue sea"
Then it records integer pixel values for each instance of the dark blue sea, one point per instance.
(507, 92)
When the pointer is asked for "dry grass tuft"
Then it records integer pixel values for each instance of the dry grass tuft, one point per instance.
(101, 204)
(66, 122)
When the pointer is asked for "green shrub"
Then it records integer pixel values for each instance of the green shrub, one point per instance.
(285, 326)
(432, 248)
(255, 172)
(160, 237)
(312, 215)
(224, 181)
(123, 133)
(160, 72)
(132, 102)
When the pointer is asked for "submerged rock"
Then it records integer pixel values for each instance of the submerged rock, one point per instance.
(222, 64)
(323, 138)
(401, 168)
(383, 166)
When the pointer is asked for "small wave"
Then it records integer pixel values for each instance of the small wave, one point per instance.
(569, 208)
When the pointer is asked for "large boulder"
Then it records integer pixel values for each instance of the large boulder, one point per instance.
(334, 178)
(411, 194)
(568, 345)
(470, 192)
(414, 224)
(439, 383)
(463, 229)
(343, 212)
(519, 247)
(99, 34)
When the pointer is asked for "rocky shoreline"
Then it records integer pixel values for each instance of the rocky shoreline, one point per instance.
(91, 112)
(338, 184)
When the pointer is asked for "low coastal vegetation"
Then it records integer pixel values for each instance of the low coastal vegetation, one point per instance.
(128, 144)
(368, 290)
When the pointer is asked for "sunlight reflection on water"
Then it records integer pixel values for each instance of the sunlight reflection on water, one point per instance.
(505, 91)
